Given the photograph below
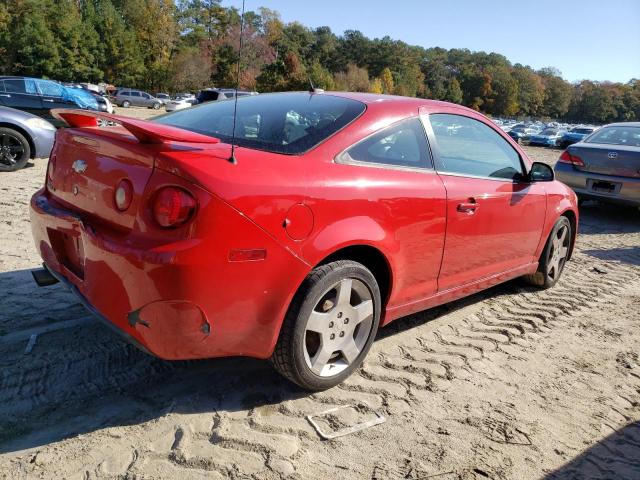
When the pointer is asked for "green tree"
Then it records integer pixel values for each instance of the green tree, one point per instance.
(386, 77)
(454, 92)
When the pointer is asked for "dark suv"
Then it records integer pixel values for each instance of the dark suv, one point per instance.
(39, 96)
(215, 94)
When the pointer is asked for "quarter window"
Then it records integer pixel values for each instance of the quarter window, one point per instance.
(403, 144)
(469, 147)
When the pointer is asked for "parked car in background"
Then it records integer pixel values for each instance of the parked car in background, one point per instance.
(23, 136)
(338, 213)
(605, 165)
(521, 133)
(178, 104)
(137, 98)
(104, 104)
(163, 97)
(575, 135)
(549, 137)
(38, 96)
(215, 94)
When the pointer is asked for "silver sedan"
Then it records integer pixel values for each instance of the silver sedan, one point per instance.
(605, 165)
(23, 136)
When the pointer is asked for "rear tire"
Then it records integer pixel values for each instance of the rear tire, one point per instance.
(330, 326)
(15, 150)
(126, 104)
(554, 256)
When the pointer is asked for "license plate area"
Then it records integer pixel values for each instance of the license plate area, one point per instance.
(69, 250)
(602, 186)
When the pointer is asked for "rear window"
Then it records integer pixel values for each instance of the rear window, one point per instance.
(616, 135)
(289, 123)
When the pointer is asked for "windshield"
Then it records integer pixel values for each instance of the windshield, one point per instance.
(585, 131)
(289, 123)
(617, 135)
(549, 131)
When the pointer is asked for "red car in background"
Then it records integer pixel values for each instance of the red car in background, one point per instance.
(338, 213)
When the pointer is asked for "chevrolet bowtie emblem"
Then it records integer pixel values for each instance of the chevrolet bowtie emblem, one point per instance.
(79, 166)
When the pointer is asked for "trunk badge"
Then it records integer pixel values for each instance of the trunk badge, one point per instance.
(79, 166)
(612, 155)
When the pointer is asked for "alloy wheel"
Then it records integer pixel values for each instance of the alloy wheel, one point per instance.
(338, 328)
(11, 149)
(558, 252)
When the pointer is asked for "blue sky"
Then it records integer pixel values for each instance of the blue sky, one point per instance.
(584, 39)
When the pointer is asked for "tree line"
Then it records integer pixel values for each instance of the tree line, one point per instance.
(167, 45)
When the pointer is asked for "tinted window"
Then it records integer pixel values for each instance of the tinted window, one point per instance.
(15, 86)
(50, 88)
(403, 144)
(289, 123)
(469, 147)
(134, 94)
(145, 95)
(207, 96)
(618, 135)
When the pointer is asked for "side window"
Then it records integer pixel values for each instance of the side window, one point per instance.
(403, 144)
(50, 88)
(469, 147)
(134, 94)
(1, 86)
(145, 95)
(15, 86)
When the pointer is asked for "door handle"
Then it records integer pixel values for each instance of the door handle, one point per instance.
(47, 100)
(468, 207)
(5, 95)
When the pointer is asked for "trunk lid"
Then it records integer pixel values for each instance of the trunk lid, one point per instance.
(615, 160)
(87, 167)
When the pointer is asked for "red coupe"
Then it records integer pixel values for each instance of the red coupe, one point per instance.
(336, 214)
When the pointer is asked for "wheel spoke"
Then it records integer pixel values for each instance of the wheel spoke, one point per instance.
(320, 359)
(5, 140)
(350, 351)
(562, 253)
(344, 292)
(318, 322)
(563, 236)
(555, 267)
(363, 311)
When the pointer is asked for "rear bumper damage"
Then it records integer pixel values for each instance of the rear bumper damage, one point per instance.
(182, 300)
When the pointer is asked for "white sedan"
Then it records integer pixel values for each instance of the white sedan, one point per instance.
(178, 104)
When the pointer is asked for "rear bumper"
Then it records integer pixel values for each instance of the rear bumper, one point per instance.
(628, 192)
(182, 300)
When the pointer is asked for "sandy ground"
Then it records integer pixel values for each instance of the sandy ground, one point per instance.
(512, 383)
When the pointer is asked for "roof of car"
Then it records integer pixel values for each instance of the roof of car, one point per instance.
(624, 124)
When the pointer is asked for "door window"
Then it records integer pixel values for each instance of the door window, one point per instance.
(15, 86)
(134, 94)
(403, 144)
(471, 148)
(145, 95)
(50, 89)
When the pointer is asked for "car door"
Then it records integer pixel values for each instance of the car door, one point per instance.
(135, 98)
(146, 100)
(494, 216)
(389, 176)
(21, 93)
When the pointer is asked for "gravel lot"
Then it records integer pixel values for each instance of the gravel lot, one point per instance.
(512, 383)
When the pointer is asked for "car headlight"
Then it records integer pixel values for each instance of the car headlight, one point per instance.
(39, 123)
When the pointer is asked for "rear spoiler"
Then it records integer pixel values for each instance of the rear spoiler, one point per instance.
(143, 130)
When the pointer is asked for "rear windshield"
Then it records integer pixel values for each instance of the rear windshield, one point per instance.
(616, 135)
(582, 130)
(289, 123)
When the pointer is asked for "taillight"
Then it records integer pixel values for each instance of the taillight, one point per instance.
(123, 195)
(566, 157)
(173, 206)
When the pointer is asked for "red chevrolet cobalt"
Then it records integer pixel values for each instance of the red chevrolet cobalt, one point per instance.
(336, 214)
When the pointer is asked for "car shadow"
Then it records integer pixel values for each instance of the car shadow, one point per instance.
(598, 218)
(616, 456)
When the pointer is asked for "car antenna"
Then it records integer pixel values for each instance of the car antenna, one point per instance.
(312, 88)
(232, 158)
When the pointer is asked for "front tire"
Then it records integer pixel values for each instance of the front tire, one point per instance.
(15, 150)
(156, 106)
(330, 326)
(554, 256)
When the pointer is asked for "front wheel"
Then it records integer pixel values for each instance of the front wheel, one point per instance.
(330, 326)
(554, 256)
(156, 106)
(15, 150)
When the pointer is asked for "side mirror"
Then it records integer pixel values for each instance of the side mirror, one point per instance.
(541, 172)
